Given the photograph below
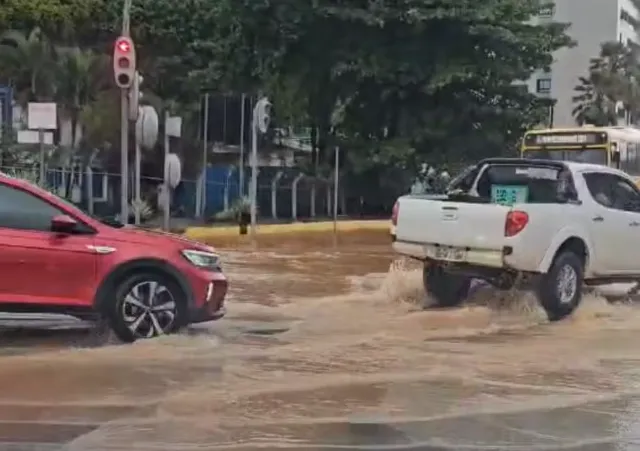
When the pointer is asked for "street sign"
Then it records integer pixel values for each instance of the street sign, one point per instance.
(147, 127)
(42, 116)
(33, 137)
(262, 115)
(174, 126)
(172, 170)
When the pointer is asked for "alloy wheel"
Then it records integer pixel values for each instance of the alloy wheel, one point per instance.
(567, 284)
(149, 309)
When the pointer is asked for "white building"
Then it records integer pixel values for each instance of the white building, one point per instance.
(592, 23)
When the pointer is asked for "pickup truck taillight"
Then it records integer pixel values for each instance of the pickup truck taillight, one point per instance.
(515, 223)
(394, 214)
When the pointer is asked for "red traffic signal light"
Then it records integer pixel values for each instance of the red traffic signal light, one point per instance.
(123, 45)
(124, 62)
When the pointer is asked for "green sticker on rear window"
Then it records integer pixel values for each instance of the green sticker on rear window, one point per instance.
(509, 194)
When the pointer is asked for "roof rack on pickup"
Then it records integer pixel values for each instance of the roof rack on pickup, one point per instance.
(527, 161)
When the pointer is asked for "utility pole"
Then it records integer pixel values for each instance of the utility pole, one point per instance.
(259, 125)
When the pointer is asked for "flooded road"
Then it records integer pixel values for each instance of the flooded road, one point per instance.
(328, 347)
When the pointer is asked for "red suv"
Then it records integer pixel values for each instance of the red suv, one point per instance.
(56, 259)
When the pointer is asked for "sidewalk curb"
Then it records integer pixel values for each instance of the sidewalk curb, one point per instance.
(325, 227)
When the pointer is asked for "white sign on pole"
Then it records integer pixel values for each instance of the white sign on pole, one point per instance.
(42, 116)
(174, 126)
(147, 127)
(172, 170)
(33, 137)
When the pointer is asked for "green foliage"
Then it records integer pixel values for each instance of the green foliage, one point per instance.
(434, 76)
(53, 16)
(612, 79)
(242, 206)
(393, 84)
(27, 62)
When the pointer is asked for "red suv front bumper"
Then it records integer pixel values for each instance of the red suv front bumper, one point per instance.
(210, 289)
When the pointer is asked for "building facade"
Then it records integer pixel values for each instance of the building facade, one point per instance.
(592, 23)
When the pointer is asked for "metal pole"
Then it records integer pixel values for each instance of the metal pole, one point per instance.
(167, 188)
(124, 157)
(241, 162)
(137, 183)
(42, 169)
(335, 190)
(89, 181)
(254, 173)
(126, 9)
(205, 141)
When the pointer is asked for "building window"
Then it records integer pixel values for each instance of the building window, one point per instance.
(628, 18)
(543, 86)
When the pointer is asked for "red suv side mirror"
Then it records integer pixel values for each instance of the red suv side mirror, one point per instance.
(63, 224)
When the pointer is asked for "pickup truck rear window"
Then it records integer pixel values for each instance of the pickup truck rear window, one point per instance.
(510, 184)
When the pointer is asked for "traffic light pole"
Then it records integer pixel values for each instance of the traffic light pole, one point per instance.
(124, 157)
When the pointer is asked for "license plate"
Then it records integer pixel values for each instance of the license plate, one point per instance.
(455, 254)
(509, 194)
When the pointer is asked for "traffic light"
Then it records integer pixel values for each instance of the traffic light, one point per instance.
(124, 62)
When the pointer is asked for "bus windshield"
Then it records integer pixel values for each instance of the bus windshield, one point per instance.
(593, 156)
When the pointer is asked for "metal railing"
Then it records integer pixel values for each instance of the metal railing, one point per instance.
(283, 195)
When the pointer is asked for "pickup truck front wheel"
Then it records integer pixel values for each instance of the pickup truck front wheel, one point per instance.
(446, 289)
(560, 290)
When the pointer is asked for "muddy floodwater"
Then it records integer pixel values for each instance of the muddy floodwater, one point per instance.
(327, 347)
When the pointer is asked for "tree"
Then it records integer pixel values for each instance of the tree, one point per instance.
(52, 16)
(393, 83)
(426, 74)
(610, 87)
(27, 62)
(80, 76)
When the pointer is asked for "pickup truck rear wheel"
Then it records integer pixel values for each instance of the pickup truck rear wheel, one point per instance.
(446, 289)
(560, 290)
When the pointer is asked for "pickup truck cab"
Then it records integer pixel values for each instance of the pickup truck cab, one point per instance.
(549, 226)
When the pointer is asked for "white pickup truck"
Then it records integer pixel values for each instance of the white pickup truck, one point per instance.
(549, 226)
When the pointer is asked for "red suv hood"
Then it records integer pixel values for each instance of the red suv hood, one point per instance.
(134, 234)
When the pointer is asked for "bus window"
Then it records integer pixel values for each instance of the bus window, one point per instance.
(594, 156)
(630, 163)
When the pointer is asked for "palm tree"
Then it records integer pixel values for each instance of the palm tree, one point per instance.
(26, 62)
(611, 81)
(80, 76)
(591, 105)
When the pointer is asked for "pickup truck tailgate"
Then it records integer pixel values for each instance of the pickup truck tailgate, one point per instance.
(470, 225)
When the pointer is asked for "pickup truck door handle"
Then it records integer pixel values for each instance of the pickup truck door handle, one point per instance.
(598, 219)
(634, 224)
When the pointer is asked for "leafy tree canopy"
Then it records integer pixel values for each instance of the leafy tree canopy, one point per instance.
(434, 78)
(53, 16)
(393, 83)
(610, 90)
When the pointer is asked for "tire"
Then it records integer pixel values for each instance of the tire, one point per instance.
(447, 290)
(131, 316)
(559, 302)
